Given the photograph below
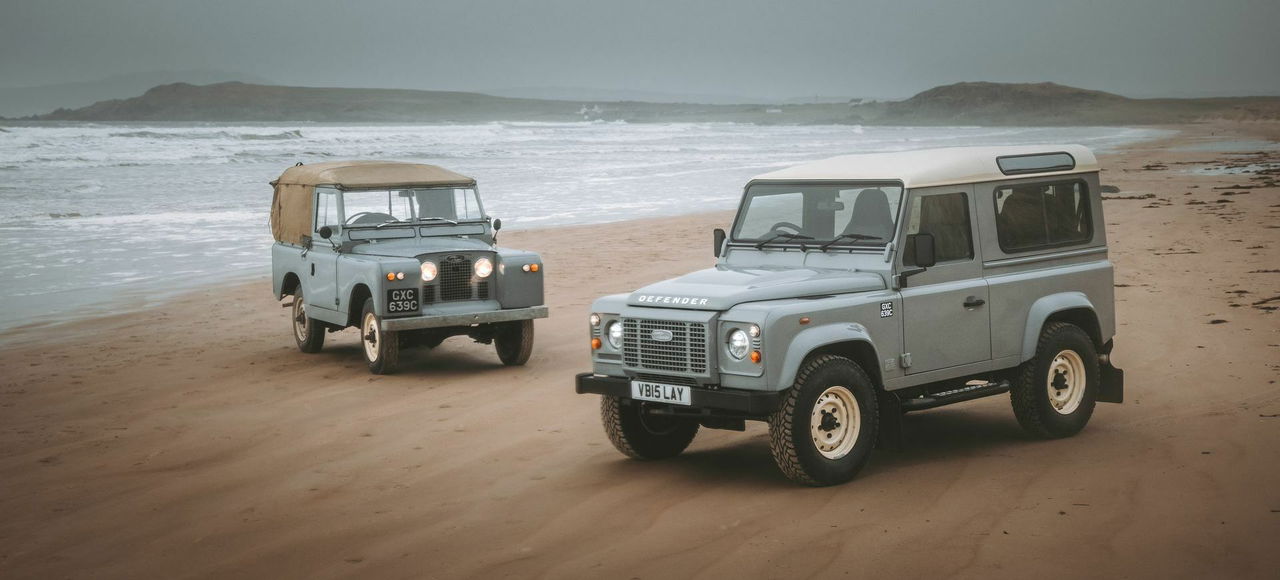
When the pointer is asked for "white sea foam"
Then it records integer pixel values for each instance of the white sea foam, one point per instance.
(92, 212)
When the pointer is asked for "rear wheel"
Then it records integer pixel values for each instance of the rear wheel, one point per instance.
(307, 331)
(825, 428)
(1054, 393)
(514, 342)
(642, 435)
(381, 348)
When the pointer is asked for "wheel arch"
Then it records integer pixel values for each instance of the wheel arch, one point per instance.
(359, 293)
(1070, 307)
(848, 340)
(288, 285)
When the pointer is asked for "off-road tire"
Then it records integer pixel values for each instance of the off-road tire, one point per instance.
(308, 332)
(790, 439)
(642, 436)
(514, 342)
(386, 357)
(1030, 395)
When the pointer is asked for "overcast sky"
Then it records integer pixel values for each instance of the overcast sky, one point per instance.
(781, 49)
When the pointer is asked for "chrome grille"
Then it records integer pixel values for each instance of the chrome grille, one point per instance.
(686, 352)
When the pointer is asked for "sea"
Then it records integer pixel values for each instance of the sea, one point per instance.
(103, 218)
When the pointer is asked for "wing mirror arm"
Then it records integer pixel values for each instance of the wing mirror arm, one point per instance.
(717, 239)
(920, 251)
(326, 232)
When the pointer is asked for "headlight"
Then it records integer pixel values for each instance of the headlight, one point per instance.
(428, 271)
(615, 335)
(739, 344)
(484, 267)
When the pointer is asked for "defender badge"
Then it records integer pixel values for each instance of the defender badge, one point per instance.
(662, 335)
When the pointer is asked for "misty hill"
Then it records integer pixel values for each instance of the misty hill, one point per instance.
(977, 103)
(983, 103)
(36, 100)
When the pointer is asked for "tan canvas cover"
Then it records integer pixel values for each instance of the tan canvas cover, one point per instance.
(291, 210)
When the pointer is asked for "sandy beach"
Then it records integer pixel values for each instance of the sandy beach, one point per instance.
(193, 440)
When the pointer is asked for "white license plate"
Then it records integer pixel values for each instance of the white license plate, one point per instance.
(674, 394)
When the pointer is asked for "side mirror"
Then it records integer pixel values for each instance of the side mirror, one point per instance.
(325, 232)
(922, 250)
(497, 224)
(717, 237)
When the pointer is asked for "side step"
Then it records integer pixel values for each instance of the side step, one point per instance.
(966, 393)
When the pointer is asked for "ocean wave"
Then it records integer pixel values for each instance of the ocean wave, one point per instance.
(184, 135)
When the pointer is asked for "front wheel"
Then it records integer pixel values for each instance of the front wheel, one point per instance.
(642, 435)
(307, 332)
(381, 348)
(1054, 392)
(514, 342)
(825, 428)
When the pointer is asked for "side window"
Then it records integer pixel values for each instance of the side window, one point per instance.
(326, 208)
(946, 217)
(1031, 217)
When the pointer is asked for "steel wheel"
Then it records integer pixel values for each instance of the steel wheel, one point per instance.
(371, 337)
(301, 324)
(1066, 381)
(835, 422)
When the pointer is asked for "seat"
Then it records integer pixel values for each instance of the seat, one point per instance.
(871, 215)
(1020, 221)
(946, 217)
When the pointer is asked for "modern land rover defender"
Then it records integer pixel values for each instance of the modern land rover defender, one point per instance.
(403, 252)
(852, 290)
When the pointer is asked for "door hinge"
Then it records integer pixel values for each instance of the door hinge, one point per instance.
(905, 360)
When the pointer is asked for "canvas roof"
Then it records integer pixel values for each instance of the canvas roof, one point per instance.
(929, 167)
(365, 174)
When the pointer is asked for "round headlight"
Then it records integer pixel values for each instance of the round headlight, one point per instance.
(594, 319)
(428, 271)
(615, 335)
(739, 344)
(484, 267)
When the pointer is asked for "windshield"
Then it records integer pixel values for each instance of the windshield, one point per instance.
(846, 214)
(373, 207)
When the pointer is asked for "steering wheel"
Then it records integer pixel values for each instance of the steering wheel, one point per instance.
(369, 217)
(785, 225)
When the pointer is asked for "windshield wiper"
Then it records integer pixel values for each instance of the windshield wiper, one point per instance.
(854, 237)
(387, 223)
(423, 219)
(784, 235)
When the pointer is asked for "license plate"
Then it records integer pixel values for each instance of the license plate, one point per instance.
(658, 392)
(402, 300)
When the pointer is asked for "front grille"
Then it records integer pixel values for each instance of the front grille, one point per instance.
(686, 352)
(455, 278)
(667, 379)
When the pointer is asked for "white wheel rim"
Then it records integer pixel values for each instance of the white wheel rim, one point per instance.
(300, 321)
(371, 336)
(835, 422)
(1066, 381)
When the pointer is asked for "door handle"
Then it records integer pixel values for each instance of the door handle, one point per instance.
(973, 302)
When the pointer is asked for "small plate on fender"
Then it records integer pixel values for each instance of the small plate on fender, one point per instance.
(660, 393)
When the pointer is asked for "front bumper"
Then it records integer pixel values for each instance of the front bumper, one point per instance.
(467, 319)
(756, 403)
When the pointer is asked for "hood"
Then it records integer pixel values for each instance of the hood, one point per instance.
(413, 247)
(722, 287)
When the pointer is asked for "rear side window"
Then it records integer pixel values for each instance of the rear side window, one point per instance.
(946, 217)
(1043, 215)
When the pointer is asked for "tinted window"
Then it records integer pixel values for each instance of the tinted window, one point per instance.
(1030, 217)
(946, 217)
(1038, 163)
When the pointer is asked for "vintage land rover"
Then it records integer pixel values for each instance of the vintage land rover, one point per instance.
(853, 290)
(405, 253)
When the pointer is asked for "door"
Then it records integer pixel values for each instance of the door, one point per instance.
(322, 277)
(946, 321)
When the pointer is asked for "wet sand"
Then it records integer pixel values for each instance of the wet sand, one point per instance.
(193, 440)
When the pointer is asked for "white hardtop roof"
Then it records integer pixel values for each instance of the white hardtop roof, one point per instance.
(929, 167)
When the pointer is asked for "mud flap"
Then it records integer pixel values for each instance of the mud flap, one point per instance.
(890, 435)
(1112, 390)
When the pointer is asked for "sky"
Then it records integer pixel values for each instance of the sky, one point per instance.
(747, 48)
